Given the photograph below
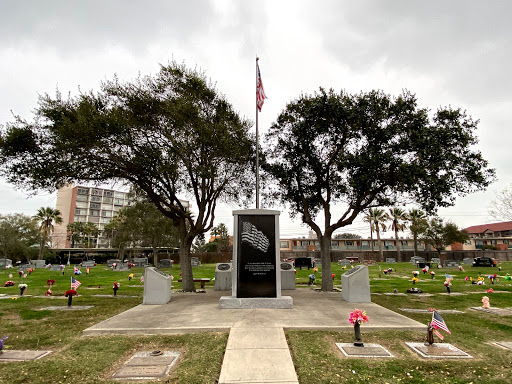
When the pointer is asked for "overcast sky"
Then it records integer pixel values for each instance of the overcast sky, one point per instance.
(454, 53)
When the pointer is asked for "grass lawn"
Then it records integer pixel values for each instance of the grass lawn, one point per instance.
(94, 359)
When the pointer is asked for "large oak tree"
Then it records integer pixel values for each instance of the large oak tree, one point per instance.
(170, 135)
(368, 150)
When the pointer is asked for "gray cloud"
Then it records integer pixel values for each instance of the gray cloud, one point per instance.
(86, 25)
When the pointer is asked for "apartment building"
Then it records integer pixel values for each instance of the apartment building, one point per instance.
(89, 204)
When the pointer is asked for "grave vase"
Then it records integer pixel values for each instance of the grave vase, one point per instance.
(357, 333)
(70, 300)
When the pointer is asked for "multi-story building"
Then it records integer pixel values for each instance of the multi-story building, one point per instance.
(88, 204)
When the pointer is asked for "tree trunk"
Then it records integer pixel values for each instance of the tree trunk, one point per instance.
(325, 255)
(186, 265)
(41, 250)
(155, 257)
(415, 237)
(398, 253)
(380, 245)
(371, 237)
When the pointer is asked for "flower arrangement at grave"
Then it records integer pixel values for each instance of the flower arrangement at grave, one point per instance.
(508, 277)
(490, 290)
(20, 273)
(493, 278)
(50, 283)
(9, 283)
(432, 274)
(312, 279)
(448, 283)
(24, 275)
(425, 270)
(130, 276)
(415, 273)
(414, 280)
(485, 302)
(388, 270)
(480, 281)
(357, 317)
(115, 287)
(23, 288)
(10, 276)
(69, 294)
(461, 268)
(30, 270)
(2, 340)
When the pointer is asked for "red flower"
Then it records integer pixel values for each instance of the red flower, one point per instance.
(70, 292)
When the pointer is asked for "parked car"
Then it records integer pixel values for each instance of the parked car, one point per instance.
(484, 262)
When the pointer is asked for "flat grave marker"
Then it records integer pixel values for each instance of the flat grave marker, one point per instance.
(504, 344)
(147, 365)
(438, 351)
(494, 310)
(416, 310)
(18, 355)
(67, 308)
(368, 350)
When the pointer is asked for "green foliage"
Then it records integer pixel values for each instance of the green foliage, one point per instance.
(440, 235)
(18, 235)
(142, 224)
(169, 135)
(369, 150)
(347, 236)
(220, 232)
(84, 234)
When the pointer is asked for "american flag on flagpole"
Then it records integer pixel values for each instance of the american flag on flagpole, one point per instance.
(75, 283)
(260, 93)
(438, 322)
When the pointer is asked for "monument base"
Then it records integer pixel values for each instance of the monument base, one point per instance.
(230, 302)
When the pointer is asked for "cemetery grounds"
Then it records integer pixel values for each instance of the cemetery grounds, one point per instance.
(75, 358)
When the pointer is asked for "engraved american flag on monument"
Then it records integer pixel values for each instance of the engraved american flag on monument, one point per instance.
(254, 238)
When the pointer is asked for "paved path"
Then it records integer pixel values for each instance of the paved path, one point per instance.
(257, 351)
(257, 355)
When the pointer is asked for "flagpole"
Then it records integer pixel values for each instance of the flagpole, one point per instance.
(257, 144)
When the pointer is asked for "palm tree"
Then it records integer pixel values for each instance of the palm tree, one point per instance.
(397, 216)
(418, 224)
(46, 218)
(379, 218)
(368, 219)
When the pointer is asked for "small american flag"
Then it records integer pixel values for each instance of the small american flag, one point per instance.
(75, 283)
(260, 93)
(142, 278)
(438, 322)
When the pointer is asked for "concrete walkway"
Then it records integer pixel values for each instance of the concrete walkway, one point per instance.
(257, 351)
(200, 312)
(257, 355)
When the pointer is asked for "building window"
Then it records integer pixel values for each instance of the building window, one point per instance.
(106, 213)
(83, 191)
(79, 212)
(82, 198)
(118, 201)
(108, 193)
(284, 244)
(94, 212)
(108, 200)
(95, 205)
(119, 194)
(95, 198)
(97, 192)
